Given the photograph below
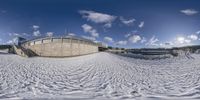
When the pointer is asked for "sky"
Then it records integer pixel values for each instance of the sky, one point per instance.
(118, 23)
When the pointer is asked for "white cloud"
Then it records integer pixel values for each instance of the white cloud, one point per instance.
(10, 34)
(189, 12)
(143, 40)
(193, 37)
(152, 41)
(36, 33)
(14, 34)
(35, 27)
(127, 35)
(14, 40)
(98, 17)
(141, 24)
(108, 39)
(108, 25)
(86, 28)
(182, 40)
(127, 21)
(25, 34)
(89, 38)
(18, 34)
(71, 34)
(121, 42)
(187, 41)
(198, 32)
(95, 34)
(49, 34)
(9, 42)
(134, 38)
(89, 29)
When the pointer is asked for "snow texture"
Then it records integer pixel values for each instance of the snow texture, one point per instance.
(99, 76)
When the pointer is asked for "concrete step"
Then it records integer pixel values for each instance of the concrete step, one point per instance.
(23, 52)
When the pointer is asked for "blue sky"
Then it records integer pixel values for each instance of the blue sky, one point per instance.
(122, 23)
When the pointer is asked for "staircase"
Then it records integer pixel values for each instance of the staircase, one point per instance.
(19, 50)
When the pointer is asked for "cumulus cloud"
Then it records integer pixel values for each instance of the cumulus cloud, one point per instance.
(9, 42)
(49, 34)
(134, 38)
(25, 34)
(14, 40)
(97, 17)
(127, 21)
(152, 41)
(127, 35)
(189, 12)
(121, 42)
(89, 29)
(141, 25)
(86, 28)
(14, 34)
(71, 34)
(108, 39)
(193, 37)
(18, 34)
(89, 38)
(108, 25)
(187, 41)
(36, 27)
(143, 40)
(182, 40)
(36, 33)
(198, 32)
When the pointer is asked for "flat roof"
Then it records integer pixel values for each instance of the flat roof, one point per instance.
(59, 37)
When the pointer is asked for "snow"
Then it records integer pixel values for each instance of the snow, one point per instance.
(99, 76)
(3, 51)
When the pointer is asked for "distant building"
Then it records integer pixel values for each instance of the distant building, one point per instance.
(19, 40)
(61, 46)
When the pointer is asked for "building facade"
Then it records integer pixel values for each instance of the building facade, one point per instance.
(61, 46)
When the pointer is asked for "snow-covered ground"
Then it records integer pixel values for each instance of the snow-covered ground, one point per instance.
(99, 76)
(3, 51)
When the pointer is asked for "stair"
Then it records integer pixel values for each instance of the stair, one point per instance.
(23, 51)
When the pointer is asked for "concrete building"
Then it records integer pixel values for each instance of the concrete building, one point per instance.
(60, 46)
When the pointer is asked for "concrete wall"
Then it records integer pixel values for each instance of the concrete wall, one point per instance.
(61, 47)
